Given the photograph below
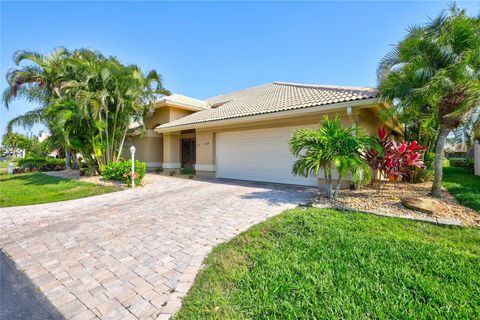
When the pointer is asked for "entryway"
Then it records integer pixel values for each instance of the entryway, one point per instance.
(188, 152)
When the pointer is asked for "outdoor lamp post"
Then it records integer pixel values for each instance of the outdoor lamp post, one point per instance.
(132, 151)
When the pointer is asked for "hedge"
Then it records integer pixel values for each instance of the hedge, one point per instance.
(121, 171)
(41, 164)
(466, 163)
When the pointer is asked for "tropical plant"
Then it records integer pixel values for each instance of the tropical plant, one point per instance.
(330, 148)
(433, 77)
(39, 82)
(87, 100)
(394, 160)
(122, 171)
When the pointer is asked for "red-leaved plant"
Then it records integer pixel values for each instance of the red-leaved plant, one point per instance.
(394, 160)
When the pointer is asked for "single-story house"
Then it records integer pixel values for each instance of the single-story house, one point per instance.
(244, 134)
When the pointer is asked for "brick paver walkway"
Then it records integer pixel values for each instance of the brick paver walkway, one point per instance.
(133, 254)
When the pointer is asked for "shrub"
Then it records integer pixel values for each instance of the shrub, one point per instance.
(41, 164)
(395, 160)
(121, 171)
(466, 163)
(185, 171)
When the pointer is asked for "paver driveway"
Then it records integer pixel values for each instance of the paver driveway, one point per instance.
(133, 254)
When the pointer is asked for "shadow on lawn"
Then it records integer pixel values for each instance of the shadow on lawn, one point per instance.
(35, 179)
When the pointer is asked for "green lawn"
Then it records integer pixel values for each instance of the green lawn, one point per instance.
(4, 164)
(33, 188)
(463, 185)
(327, 264)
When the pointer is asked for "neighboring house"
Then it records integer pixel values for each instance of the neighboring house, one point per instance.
(244, 135)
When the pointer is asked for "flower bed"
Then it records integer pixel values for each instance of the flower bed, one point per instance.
(387, 202)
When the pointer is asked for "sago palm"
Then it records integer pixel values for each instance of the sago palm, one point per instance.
(330, 148)
(433, 75)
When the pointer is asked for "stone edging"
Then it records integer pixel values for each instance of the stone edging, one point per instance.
(440, 221)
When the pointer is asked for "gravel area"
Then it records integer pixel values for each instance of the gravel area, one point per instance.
(387, 202)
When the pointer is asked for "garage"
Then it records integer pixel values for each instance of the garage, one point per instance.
(258, 155)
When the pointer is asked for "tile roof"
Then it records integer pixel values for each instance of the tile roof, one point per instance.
(272, 97)
(185, 101)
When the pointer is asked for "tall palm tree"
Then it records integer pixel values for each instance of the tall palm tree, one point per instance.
(328, 148)
(110, 95)
(87, 100)
(38, 82)
(434, 75)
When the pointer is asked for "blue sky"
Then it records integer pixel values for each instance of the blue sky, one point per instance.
(203, 49)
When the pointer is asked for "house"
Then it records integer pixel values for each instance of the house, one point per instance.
(244, 135)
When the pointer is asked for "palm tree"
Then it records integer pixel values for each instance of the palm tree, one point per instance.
(13, 141)
(87, 100)
(38, 82)
(109, 96)
(331, 147)
(434, 75)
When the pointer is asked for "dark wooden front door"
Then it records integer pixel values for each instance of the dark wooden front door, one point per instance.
(188, 152)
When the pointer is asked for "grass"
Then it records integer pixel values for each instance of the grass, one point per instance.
(463, 185)
(4, 164)
(327, 264)
(34, 188)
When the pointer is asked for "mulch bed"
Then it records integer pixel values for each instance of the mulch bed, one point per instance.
(387, 202)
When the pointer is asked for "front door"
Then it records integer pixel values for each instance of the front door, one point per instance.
(188, 152)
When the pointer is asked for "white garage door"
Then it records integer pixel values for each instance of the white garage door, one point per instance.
(258, 155)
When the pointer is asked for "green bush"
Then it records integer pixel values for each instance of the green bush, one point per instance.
(185, 171)
(42, 164)
(456, 162)
(424, 175)
(430, 160)
(121, 171)
(445, 163)
(466, 163)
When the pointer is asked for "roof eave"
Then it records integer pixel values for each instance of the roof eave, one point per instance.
(161, 104)
(271, 115)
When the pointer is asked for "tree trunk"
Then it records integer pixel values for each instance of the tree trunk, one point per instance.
(440, 146)
(337, 187)
(67, 160)
(329, 182)
(121, 144)
(75, 160)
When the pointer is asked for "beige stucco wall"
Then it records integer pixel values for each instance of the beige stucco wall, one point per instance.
(160, 116)
(206, 136)
(163, 115)
(369, 121)
(171, 151)
(148, 149)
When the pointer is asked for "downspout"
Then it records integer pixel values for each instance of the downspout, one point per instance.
(351, 118)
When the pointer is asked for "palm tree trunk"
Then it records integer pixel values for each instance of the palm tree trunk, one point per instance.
(329, 181)
(337, 187)
(75, 160)
(440, 146)
(67, 159)
(121, 144)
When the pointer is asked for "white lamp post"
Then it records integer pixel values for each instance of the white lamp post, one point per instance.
(132, 151)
